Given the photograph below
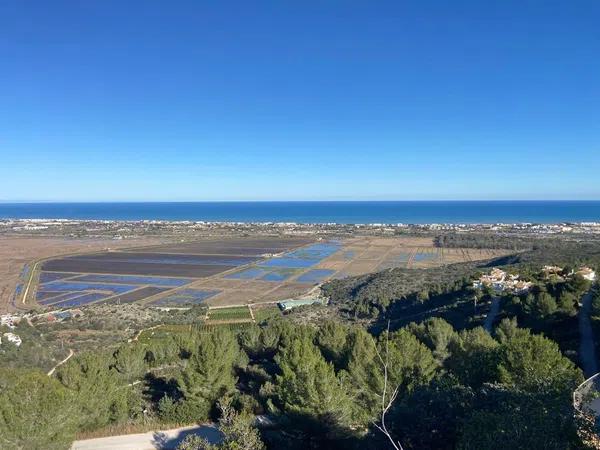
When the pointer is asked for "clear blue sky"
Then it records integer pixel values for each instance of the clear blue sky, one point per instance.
(281, 100)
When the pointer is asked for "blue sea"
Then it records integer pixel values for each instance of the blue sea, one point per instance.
(344, 212)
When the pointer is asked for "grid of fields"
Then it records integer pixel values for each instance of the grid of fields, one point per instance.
(232, 271)
(159, 275)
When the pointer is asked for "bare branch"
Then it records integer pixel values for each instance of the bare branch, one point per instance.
(387, 404)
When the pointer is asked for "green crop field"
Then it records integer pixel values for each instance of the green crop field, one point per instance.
(235, 313)
(164, 331)
(231, 326)
(262, 314)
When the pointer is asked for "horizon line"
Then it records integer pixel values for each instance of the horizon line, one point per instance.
(37, 202)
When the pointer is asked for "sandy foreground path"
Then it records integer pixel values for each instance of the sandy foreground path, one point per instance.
(152, 440)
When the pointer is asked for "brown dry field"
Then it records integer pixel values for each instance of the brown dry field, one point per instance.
(15, 252)
(333, 264)
(361, 266)
(235, 297)
(284, 291)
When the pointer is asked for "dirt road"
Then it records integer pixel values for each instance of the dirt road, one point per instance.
(587, 349)
(153, 440)
(491, 317)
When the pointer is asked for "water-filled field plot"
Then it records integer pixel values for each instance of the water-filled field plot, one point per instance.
(133, 279)
(47, 277)
(287, 265)
(68, 286)
(108, 267)
(248, 274)
(71, 296)
(185, 297)
(289, 262)
(24, 272)
(315, 276)
(166, 258)
(265, 273)
(79, 301)
(138, 294)
(280, 274)
(424, 257)
(303, 257)
(83, 294)
(315, 251)
(41, 296)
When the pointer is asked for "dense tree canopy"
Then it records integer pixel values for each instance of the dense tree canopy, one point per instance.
(308, 388)
(36, 412)
(99, 391)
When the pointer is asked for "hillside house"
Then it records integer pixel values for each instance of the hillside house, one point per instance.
(500, 281)
(587, 273)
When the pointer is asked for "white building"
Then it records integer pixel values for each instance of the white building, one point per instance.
(587, 273)
(9, 320)
(13, 338)
(500, 281)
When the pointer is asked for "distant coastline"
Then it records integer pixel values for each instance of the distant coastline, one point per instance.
(305, 212)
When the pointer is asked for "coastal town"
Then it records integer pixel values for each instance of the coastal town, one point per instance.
(117, 229)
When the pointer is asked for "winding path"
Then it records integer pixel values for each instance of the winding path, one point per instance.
(587, 349)
(71, 353)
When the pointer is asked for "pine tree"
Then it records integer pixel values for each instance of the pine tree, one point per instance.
(410, 364)
(36, 412)
(566, 303)
(366, 375)
(331, 339)
(130, 362)
(99, 390)
(533, 362)
(209, 372)
(545, 306)
(474, 357)
(308, 387)
(436, 334)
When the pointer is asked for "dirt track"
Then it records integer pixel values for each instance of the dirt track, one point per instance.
(491, 317)
(587, 349)
(153, 440)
